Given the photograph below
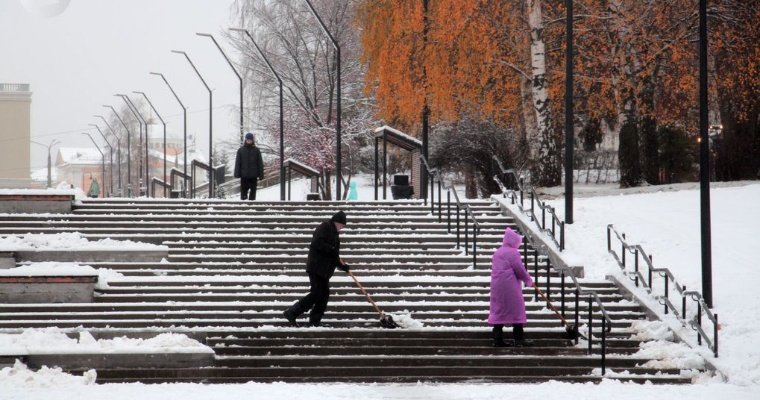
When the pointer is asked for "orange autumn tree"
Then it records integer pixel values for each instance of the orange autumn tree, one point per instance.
(473, 60)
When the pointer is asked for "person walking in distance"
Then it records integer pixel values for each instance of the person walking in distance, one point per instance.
(507, 304)
(249, 167)
(324, 257)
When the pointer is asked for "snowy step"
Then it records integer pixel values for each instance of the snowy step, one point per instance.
(501, 374)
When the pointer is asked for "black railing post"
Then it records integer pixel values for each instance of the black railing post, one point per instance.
(535, 271)
(609, 240)
(622, 250)
(432, 194)
(474, 246)
(590, 322)
(699, 322)
(636, 266)
(466, 231)
(525, 256)
(548, 281)
(577, 314)
(543, 216)
(650, 274)
(715, 336)
(683, 302)
(562, 290)
(666, 293)
(532, 207)
(457, 226)
(604, 343)
(439, 201)
(448, 209)
(562, 236)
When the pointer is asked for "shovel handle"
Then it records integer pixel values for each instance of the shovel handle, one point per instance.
(551, 306)
(379, 311)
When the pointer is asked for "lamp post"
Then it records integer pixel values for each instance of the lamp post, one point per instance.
(184, 134)
(569, 125)
(163, 178)
(129, 151)
(142, 122)
(240, 78)
(704, 159)
(118, 152)
(110, 168)
(338, 165)
(210, 124)
(282, 136)
(49, 163)
(102, 162)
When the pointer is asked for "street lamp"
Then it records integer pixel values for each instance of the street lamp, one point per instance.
(569, 123)
(118, 152)
(240, 78)
(704, 159)
(163, 178)
(110, 147)
(184, 130)
(102, 161)
(338, 166)
(129, 151)
(49, 164)
(210, 125)
(279, 81)
(141, 121)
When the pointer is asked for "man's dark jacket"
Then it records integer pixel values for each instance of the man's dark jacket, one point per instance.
(324, 251)
(248, 162)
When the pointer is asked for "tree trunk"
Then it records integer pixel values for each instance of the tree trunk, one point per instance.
(547, 169)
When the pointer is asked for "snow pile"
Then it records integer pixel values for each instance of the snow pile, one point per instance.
(54, 268)
(652, 330)
(70, 241)
(666, 354)
(404, 319)
(21, 376)
(55, 341)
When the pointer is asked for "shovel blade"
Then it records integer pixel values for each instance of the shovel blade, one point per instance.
(387, 322)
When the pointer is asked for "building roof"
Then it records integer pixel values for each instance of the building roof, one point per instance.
(78, 156)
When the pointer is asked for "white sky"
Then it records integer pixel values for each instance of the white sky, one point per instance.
(76, 62)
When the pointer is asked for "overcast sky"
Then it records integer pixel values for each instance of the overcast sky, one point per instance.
(76, 62)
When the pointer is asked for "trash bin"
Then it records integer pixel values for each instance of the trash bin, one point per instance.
(312, 196)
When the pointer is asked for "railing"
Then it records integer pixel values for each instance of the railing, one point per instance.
(468, 213)
(592, 299)
(512, 194)
(173, 174)
(155, 181)
(206, 167)
(669, 285)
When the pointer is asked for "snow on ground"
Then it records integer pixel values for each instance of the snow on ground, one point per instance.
(666, 224)
(55, 341)
(70, 240)
(663, 219)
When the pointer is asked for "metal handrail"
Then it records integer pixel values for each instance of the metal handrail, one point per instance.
(534, 199)
(593, 297)
(155, 181)
(468, 213)
(172, 180)
(669, 284)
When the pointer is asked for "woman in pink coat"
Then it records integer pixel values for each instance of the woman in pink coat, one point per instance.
(507, 303)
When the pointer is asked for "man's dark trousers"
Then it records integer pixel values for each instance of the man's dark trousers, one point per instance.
(248, 184)
(317, 298)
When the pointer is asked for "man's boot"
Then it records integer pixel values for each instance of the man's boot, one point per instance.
(498, 337)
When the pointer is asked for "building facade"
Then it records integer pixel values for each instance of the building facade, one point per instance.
(15, 134)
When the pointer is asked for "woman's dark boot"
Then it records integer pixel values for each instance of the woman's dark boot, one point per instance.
(519, 334)
(498, 336)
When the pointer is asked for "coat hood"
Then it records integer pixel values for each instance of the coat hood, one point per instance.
(512, 239)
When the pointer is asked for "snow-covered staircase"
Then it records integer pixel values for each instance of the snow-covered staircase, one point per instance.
(234, 266)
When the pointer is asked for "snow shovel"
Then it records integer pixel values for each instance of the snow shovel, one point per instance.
(386, 321)
(570, 329)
